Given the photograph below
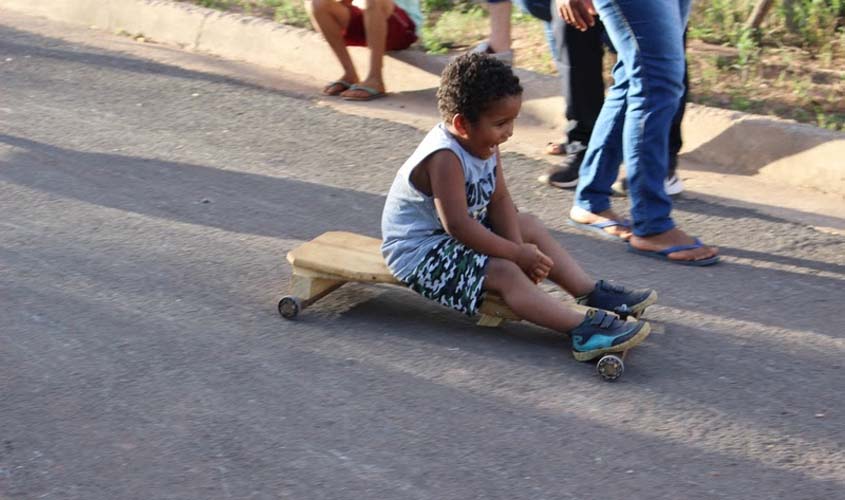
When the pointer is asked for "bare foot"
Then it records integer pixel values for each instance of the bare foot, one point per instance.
(584, 217)
(671, 238)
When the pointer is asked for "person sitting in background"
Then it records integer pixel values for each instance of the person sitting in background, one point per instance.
(381, 25)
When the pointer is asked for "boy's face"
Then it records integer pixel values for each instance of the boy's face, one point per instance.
(493, 127)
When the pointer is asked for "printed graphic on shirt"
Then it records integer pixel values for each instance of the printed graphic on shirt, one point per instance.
(479, 194)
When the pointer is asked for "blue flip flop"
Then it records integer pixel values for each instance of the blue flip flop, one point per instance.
(598, 227)
(664, 254)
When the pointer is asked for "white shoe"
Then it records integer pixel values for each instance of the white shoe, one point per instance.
(673, 185)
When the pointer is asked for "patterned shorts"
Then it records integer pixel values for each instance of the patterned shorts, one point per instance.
(452, 275)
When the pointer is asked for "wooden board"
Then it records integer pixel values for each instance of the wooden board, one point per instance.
(346, 255)
(324, 263)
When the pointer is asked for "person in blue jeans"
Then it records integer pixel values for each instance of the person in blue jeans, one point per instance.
(579, 58)
(634, 125)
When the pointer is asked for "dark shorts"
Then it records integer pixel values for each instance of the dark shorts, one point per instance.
(451, 274)
(400, 29)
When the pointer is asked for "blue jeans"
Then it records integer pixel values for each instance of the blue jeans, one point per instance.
(635, 119)
(541, 9)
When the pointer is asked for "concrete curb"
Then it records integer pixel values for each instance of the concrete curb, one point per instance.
(729, 142)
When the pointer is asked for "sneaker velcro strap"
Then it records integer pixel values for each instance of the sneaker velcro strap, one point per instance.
(602, 319)
(608, 320)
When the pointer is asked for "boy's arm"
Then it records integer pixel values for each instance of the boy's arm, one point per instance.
(502, 211)
(447, 186)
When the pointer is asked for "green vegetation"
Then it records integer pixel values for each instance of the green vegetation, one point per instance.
(284, 11)
(467, 19)
(792, 66)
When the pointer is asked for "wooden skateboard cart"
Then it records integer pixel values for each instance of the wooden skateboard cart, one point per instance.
(325, 263)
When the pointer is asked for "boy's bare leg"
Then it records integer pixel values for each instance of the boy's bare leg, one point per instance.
(526, 299)
(330, 18)
(566, 272)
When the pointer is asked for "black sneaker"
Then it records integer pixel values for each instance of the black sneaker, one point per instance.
(565, 175)
(618, 299)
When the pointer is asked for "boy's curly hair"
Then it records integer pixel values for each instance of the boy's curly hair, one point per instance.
(471, 83)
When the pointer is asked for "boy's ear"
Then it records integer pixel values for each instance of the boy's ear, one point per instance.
(461, 124)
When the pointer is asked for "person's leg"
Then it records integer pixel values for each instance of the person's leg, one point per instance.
(579, 57)
(566, 273)
(331, 18)
(500, 25)
(540, 10)
(648, 36)
(591, 334)
(549, 32)
(526, 299)
(675, 139)
(602, 159)
(376, 13)
(673, 183)
(579, 64)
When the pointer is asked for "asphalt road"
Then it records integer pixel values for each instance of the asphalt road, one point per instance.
(145, 211)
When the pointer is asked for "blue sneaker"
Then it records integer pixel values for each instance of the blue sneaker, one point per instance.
(602, 332)
(618, 299)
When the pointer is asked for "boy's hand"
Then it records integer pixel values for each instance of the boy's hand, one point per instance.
(534, 263)
(578, 13)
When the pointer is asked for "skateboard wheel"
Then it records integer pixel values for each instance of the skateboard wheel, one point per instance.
(610, 367)
(289, 307)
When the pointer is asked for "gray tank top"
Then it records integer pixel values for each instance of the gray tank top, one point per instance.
(410, 227)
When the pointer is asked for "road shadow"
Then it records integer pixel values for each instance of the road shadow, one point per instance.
(168, 391)
(740, 149)
(229, 200)
(33, 46)
(240, 202)
(815, 219)
(744, 220)
(285, 208)
(673, 363)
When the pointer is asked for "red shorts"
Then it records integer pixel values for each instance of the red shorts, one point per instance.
(400, 29)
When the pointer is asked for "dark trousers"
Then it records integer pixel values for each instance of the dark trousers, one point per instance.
(579, 61)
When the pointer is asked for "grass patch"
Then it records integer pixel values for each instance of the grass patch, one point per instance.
(290, 12)
(454, 29)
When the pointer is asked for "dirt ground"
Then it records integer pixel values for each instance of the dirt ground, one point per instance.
(783, 82)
